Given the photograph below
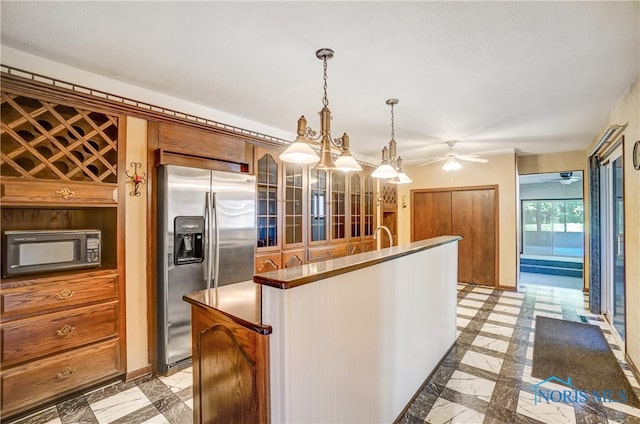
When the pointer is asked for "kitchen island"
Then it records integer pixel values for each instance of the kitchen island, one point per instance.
(349, 339)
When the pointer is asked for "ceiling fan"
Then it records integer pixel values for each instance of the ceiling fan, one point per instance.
(451, 158)
(566, 178)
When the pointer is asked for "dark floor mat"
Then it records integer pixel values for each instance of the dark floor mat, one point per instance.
(579, 352)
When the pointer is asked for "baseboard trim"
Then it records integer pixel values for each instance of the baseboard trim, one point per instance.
(507, 288)
(634, 368)
(138, 373)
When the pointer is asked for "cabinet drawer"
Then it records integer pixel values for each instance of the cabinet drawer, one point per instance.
(369, 245)
(56, 292)
(31, 338)
(19, 191)
(44, 380)
(327, 252)
(268, 262)
(293, 258)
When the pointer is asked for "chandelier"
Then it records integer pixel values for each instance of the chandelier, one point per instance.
(301, 152)
(391, 167)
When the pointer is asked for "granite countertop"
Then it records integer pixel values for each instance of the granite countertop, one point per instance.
(292, 277)
(241, 302)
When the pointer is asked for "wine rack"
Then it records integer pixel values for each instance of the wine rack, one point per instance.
(44, 140)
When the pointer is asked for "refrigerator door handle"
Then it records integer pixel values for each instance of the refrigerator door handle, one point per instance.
(207, 241)
(216, 240)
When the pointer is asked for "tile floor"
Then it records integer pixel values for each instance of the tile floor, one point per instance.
(485, 378)
(148, 400)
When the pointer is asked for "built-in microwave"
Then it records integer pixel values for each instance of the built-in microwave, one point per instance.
(33, 251)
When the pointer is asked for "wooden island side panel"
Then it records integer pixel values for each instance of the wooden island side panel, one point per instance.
(230, 370)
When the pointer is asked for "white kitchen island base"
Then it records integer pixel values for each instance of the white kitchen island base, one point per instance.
(354, 338)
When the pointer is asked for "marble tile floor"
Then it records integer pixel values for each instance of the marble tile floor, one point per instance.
(148, 400)
(530, 278)
(485, 378)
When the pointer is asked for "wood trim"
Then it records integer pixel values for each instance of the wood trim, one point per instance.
(633, 367)
(142, 372)
(152, 240)
(164, 157)
(56, 93)
(288, 278)
(503, 288)
(121, 238)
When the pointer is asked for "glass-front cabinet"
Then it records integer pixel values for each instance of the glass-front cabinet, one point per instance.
(369, 216)
(294, 204)
(338, 206)
(267, 207)
(267, 170)
(318, 204)
(306, 214)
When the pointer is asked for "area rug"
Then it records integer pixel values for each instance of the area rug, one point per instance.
(578, 356)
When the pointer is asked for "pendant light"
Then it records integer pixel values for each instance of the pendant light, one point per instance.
(391, 167)
(300, 151)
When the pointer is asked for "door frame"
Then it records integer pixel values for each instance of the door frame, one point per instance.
(606, 232)
(495, 188)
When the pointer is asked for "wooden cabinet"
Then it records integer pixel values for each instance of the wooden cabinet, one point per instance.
(306, 214)
(318, 205)
(230, 370)
(16, 191)
(61, 332)
(471, 212)
(266, 262)
(44, 380)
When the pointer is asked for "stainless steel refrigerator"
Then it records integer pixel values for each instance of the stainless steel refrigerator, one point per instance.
(206, 239)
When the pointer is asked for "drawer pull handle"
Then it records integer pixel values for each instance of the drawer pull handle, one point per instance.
(65, 294)
(65, 193)
(65, 373)
(65, 330)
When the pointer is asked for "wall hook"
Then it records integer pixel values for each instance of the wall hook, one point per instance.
(136, 178)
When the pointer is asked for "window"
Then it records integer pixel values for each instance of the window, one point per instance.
(553, 227)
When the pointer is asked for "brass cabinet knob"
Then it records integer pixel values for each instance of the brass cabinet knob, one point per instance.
(65, 373)
(65, 294)
(65, 193)
(65, 330)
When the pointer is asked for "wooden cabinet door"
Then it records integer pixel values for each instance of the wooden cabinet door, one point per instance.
(484, 237)
(431, 215)
(461, 225)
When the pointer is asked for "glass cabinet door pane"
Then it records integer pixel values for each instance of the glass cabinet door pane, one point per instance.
(368, 205)
(338, 192)
(267, 199)
(356, 194)
(293, 203)
(318, 199)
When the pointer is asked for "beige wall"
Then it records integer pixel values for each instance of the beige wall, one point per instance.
(628, 110)
(565, 161)
(501, 171)
(135, 248)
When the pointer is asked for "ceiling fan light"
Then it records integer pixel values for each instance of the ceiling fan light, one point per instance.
(299, 152)
(451, 165)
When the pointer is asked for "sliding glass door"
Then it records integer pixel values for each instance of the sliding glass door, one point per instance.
(612, 227)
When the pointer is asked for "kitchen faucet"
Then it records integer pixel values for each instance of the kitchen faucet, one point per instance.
(382, 227)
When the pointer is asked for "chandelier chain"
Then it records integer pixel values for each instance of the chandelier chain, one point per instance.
(325, 100)
(393, 136)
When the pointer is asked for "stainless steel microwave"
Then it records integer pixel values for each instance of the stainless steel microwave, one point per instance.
(33, 251)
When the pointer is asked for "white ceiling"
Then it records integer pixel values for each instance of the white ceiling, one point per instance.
(534, 76)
